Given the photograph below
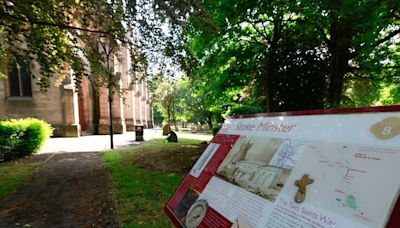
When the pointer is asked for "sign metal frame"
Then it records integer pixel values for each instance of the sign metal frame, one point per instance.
(393, 221)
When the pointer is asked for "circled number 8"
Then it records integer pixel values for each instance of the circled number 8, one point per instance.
(387, 130)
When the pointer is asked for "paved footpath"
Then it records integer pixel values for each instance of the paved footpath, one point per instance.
(92, 143)
(88, 143)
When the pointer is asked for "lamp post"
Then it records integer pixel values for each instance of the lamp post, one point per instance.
(105, 44)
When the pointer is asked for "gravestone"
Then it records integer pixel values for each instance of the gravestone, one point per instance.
(198, 128)
(206, 128)
(166, 129)
(172, 137)
(193, 128)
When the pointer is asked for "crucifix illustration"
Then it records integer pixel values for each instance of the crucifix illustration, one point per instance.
(302, 184)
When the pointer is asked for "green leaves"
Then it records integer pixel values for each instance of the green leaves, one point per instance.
(273, 55)
(62, 36)
(291, 55)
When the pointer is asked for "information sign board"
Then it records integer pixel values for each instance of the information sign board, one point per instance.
(329, 168)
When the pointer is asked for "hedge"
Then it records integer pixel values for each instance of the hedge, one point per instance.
(20, 137)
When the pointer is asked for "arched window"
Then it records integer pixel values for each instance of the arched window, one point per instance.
(19, 78)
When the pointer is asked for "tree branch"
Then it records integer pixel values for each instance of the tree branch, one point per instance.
(255, 40)
(259, 32)
(364, 77)
(352, 69)
(327, 40)
(63, 26)
(388, 37)
(258, 21)
(392, 67)
(395, 15)
(374, 78)
(47, 23)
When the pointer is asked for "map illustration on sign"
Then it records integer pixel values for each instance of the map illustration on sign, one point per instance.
(288, 153)
(343, 173)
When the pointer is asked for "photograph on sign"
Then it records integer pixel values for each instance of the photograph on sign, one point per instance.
(203, 160)
(261, 165)
(185, 204)
(196, 214)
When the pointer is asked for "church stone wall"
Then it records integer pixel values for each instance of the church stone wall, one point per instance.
(68, 109)
(56, 107)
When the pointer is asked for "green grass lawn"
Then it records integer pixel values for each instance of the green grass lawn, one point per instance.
(146, 176)
(13, 174)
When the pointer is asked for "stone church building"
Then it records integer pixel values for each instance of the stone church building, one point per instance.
(72, 112)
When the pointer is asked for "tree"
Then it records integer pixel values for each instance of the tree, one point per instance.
(245, 46)
(249, 53)
(195, 102)
(183, 101)
(281, 45)
(358, 35)
(60, 36)
(164, 99)
(254, 27)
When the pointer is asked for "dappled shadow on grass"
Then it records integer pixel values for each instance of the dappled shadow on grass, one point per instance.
(13, 175)
(171, 159)
(70, 190)
(146, 176)
(158, 155)
(16, 172)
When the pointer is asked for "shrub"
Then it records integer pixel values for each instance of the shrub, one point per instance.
(10, 138)
(216, 129)
(20, 137)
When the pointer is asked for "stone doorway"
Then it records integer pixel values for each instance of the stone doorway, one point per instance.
(82, 120)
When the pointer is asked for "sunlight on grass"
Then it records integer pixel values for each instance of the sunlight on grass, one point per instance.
(12, 175)
(181, 140)
(183, 136)
(142, 192)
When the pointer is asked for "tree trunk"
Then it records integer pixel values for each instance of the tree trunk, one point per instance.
(271, 55)
(339, 47)
(267, 82)
(169, 114)
(209, 121)
(173, 115)
(96, 109)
